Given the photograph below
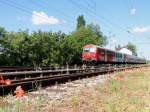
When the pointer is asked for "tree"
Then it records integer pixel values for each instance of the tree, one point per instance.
(48, 48)
(97, 31)
(90, 34)
(3, 36)
(132, 47)
(14, 48)
(80, 22)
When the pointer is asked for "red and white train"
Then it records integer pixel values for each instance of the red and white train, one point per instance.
(95, 54)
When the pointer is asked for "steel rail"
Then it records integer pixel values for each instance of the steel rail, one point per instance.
(62, 75)
(55, 77)
(44, 71)
(84, 73)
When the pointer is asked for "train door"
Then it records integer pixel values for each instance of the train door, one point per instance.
(114, 58)
(101, 56)
(109, 56)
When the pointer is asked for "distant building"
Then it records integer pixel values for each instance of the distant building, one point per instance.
(125, 50)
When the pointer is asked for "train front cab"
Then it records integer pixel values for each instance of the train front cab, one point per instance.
(89, 54)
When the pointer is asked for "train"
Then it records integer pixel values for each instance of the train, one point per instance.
(97, 55)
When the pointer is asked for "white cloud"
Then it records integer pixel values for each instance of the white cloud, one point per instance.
(132, 11)
(41, 18)
(141, 29)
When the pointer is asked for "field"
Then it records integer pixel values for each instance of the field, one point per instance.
(127, 91)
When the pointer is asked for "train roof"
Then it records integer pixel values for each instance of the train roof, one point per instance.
(92, 45)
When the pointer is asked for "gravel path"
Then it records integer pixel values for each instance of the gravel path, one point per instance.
(57, 93)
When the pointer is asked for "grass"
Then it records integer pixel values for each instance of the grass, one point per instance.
(114, 85)
(131, 93)
(124, 92)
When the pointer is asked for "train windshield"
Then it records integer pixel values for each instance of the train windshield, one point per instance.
(89, 50)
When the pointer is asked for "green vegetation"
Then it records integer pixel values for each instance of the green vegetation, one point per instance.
(80, 22)
(132, 47)
(47, 48)
(148, 61)
(127, 92)
(114, 85)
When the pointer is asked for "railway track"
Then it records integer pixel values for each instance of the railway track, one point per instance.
(30, 80)
(18, 68)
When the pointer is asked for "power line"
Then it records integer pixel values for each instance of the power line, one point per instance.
(56, 10)
(89, 5)
(102, 17)
(53, 8)
(81, 8)
(22, 8)
(109, 23)
(77, 5)
(124, 2)
(45, 5)
(14, 5)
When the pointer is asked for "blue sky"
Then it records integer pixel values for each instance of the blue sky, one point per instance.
(120, 20)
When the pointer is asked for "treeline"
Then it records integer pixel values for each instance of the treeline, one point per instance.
(42, 48)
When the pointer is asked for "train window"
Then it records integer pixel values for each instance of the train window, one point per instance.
(103, 53)
(89, 49)
(92, 49)
(86, 50)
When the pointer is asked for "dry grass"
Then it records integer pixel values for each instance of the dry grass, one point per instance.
(130, 93)
(124, 92)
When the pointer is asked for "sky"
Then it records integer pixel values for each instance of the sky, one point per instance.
(122, 21)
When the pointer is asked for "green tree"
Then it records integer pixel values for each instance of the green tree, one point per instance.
(40, 47)
(90, 34)
(48, 48)
(3, 37)
(132, 47)
(80, 22)
(14, 50)
(102, 39)
(45, 48)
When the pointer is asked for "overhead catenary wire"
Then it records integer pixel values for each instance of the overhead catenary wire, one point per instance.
(91, 13)
(130, 6)
(90, 5)
(12, 4)
(100, 17)
(23, 9)
(46, 5)
(105, 21)
(17, 6)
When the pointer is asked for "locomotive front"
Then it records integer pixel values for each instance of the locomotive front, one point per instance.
(89, 54)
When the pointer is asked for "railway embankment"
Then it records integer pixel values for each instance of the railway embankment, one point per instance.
(125, 91)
